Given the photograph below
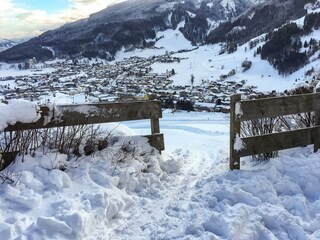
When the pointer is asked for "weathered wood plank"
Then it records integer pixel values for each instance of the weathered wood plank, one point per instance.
(6, 159)
(70, 115)
(234, 131)
(278, 141)
(156, 141)
(278, 106)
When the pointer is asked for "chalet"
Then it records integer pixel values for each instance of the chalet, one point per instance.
(69, 85)
(163, 76)
(150, 76)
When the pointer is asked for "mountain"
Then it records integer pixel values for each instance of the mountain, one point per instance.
(130, 24)
(259, 19)
(9, 43)
(6, 44)
(134, 23)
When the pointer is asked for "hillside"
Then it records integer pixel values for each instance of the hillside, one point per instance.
(130, 24)
(259, 19)
(6, 44)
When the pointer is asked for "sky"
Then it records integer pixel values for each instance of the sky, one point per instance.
(27, 18)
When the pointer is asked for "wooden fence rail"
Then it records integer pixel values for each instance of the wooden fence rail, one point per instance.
(73, 115)
(245, 110)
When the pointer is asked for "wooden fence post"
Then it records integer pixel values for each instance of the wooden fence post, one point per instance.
(155, 126)
(234, 131)
(316, 140)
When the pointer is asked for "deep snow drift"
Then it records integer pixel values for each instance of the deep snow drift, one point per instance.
(188, 192)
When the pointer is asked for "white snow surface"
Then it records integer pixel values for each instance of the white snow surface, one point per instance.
(187, 192)
(7, 70)
(238, 143)
(18, 110)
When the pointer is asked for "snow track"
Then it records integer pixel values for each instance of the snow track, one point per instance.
(168, 213)
(203, 199)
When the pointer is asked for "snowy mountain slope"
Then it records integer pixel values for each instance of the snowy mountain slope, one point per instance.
(208, 64)
(105, 35)
(128, 24)
(257, 20)
(5, 44)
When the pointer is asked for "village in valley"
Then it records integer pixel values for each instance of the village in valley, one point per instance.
(127, 80)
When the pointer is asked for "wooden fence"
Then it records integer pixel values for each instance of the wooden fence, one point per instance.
(246, 110)
(74, 115)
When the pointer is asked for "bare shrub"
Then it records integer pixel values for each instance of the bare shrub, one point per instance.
(9, 175)
(278, 124)
(21, 142)
(126, 152)
(260, 127)
(72, 140)
(302, 120)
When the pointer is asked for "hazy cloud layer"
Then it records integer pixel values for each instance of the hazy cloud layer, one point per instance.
(17, 22)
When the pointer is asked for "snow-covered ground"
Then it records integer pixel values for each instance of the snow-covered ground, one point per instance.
(188, 192)
(11, 70)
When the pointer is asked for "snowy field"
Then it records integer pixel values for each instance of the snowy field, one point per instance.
(188, 192)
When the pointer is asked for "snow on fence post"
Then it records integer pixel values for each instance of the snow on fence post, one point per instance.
(234, 132)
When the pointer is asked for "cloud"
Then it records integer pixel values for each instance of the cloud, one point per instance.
(85, 1)
(17, 22)
(24, 16)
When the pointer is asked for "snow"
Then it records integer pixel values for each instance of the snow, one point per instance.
(17, 110)
(228, 5)
(238, 143)
(171, 40)
(238, 110)
(51, 50)
(192, 15)
(187, 192)
(210, 5)
(12, 70)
